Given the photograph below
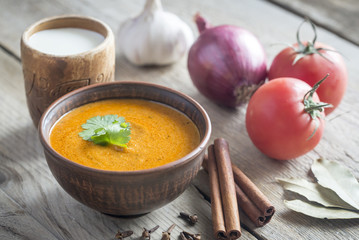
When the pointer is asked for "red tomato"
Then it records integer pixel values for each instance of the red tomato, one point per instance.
(311, 68)
(277, 122)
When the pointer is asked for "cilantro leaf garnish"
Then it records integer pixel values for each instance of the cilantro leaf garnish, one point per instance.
(108, 129)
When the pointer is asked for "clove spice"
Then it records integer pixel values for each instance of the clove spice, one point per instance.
(124, 234)
(167, 235)
(189, 236)
(183, 237)
(146, 234)
(190, 218)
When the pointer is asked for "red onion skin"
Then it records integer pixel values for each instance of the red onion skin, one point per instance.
(224, 60)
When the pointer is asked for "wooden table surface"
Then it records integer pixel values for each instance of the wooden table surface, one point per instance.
(34, 206)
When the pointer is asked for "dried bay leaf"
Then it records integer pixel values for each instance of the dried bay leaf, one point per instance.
(318, 211)
(314, 192)
(338, 178)
(335, 196)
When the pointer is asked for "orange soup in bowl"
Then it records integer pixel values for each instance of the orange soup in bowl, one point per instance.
(159, 135)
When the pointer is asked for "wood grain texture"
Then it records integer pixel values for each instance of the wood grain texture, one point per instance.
(29, 183)
(338, 16)
(44, 210)
(15, 223)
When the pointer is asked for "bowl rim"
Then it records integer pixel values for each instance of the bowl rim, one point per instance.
(181, 161)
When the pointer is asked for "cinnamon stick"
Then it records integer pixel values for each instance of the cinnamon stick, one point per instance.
(253, 193)
(250, 199)
(227, 187)
(216, 204)
(249, 208)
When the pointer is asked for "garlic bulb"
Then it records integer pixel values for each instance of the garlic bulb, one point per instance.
(155, 37)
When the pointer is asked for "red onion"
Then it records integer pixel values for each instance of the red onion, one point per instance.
(226, 63)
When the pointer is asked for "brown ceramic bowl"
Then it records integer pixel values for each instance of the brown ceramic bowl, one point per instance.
(125, 192)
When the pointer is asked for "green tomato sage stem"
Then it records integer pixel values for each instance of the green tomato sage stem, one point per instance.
(309, 47)
(314, 109)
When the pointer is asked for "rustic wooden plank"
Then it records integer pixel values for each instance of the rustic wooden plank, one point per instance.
(68, 219)
(338, 143)
(26, 178)
(15, 223)
(338, 16)
(17, 15)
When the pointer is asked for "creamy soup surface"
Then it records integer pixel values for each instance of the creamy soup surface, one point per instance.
(159, 135)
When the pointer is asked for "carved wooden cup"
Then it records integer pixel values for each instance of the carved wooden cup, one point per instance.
(48, 76)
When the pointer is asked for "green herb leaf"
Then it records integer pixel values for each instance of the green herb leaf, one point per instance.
(108, 129)
(318, 211)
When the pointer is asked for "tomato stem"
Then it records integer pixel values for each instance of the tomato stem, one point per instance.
(314, 109)
(308, 48)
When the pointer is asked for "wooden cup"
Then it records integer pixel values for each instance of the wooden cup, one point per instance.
(48, 76)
